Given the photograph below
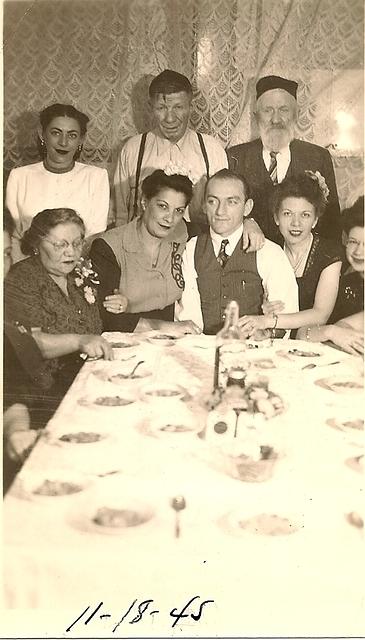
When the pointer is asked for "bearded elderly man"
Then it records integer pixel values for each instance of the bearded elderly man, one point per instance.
(277, 154)
(175, 148)
(217, 269)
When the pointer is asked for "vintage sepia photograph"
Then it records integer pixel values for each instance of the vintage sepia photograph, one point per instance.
(183, 319)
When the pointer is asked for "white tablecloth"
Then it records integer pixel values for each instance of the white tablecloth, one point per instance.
(306, 583)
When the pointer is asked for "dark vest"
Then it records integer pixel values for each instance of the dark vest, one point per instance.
(239, 280)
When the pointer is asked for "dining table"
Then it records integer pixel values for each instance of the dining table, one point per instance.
(140, 512)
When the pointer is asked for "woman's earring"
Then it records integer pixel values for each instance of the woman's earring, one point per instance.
(43, 144)
(79, 148)
(35, 252)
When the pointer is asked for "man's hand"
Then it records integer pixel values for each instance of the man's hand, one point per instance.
(95, 347)
(116, 303)
(253, 239)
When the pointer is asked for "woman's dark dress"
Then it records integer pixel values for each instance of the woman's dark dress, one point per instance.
(350, 297)
(33, 300)
(323, 253)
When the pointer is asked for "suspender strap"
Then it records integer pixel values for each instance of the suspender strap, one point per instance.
(138, 173)
(204, 152)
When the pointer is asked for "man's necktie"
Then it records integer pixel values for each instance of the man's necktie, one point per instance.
(222, 257)
(273, 168)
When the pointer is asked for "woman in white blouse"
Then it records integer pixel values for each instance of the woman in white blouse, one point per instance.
(59, 180)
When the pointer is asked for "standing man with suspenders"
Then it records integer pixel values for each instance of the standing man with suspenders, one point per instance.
(171, 144)
(173, 147)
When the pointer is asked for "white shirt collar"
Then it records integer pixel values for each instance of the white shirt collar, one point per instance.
(284, 152)
(164, 143)
(283, 161)
(233, 239)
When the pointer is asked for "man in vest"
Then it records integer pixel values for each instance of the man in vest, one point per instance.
(173, 147)
(217, 269)
(267, 160)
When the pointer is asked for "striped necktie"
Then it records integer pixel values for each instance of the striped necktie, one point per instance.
(222, 256)
(273, 168)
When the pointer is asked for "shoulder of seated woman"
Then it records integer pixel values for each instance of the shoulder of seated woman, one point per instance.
(23, 267)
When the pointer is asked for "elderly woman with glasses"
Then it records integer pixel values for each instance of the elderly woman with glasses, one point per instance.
(52, 294)
(59, 180)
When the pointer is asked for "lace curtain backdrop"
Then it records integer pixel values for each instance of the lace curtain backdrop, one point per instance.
(100, 55)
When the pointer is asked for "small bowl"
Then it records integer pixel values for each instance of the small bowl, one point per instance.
(255, 465)
(163, 339)
(111, 515)
(54, 483)
(111, 401)
(177, 427)
(83, 436)
(349, 385)
(162, 392)
(118, 372)
(276, 525)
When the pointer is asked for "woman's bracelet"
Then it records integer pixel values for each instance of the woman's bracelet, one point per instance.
(272, 329)
(308, 331)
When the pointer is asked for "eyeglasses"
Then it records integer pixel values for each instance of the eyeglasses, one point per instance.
(351, 242)
(61, 245)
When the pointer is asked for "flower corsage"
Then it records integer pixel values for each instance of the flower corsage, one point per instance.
(317, 176)
(176, 168)
(87, 278)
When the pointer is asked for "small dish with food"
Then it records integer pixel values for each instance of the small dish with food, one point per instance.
(52, 483)
(112, 514)
(120, 373)
(109, 400)
(270, 524)
(348, 385)
(161, 338)
(161, 391)
(178, 426)
(73, 437)
(248, 461)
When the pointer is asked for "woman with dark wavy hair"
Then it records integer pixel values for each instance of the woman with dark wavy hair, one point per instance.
(139, 264)
(59, 180)
(298, 203)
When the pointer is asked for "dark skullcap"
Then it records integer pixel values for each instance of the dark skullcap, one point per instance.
(276, 82)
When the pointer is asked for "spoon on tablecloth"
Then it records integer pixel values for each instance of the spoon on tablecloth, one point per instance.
(313, 366)
(131, 374)
(178, 504)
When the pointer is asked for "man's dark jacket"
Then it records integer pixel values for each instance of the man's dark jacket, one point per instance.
(246, 159)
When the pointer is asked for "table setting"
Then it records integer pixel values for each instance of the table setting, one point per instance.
(152, 478)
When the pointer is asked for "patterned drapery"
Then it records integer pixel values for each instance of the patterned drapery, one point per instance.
(101, 54)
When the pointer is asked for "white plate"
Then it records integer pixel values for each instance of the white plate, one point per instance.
(305, 353)
(56, 484)
(270, 524)
(356, 463)
(161, 338)
(163, 392)
(109, 401)
(176, 427)
(118, 372)
(198, 341)
(349, 385)
(352, 427)
(133, 514)
(77, 437)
